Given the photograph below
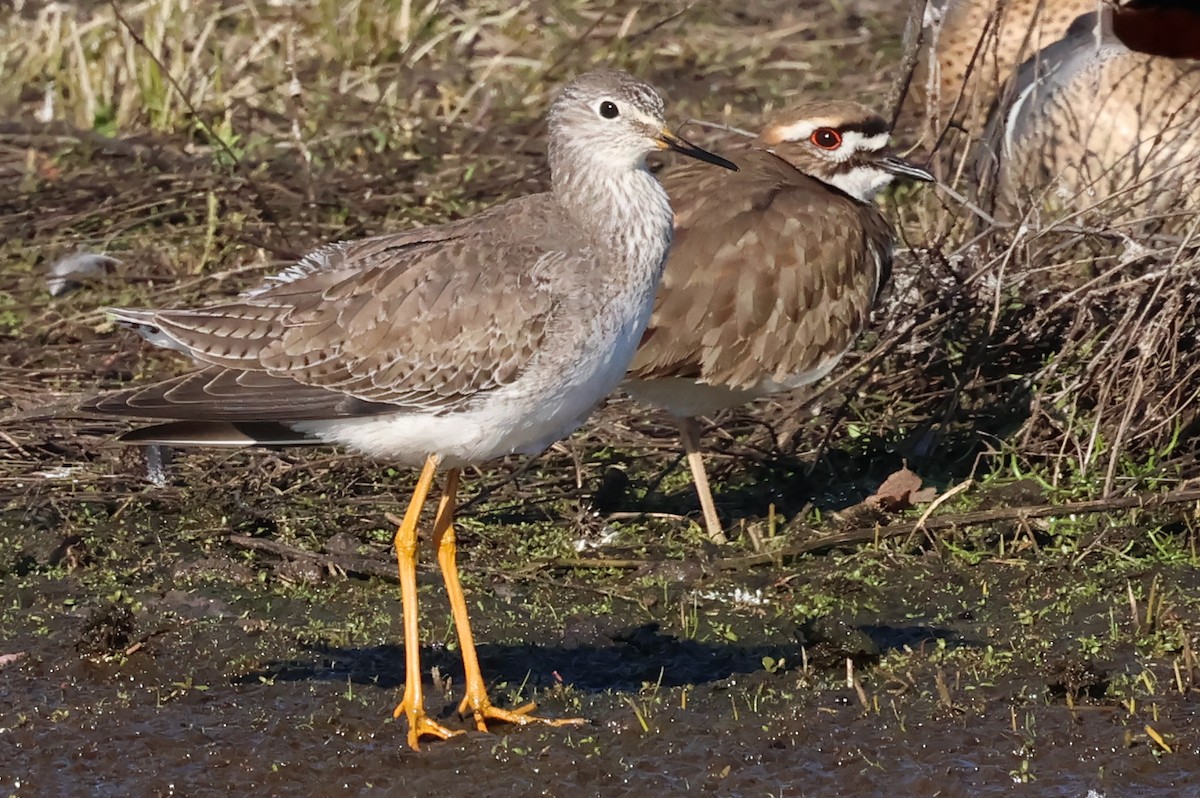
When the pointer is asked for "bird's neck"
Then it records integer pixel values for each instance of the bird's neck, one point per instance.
(861, 181)
(626, 210)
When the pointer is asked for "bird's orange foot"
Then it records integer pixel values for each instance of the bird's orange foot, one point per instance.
(420, 725)
(483, 711)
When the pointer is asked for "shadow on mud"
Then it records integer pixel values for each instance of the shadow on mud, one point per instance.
(629, 661)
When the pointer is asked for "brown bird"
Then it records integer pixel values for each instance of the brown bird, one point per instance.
(774, 269)
(441, 346)
(972, 48)
(1099, 128)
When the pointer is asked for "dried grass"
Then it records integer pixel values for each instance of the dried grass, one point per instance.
(1075, 314)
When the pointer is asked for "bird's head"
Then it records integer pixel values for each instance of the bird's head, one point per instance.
(612, 120)
(841, 143)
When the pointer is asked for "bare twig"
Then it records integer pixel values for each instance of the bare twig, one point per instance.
(347, 563)
(851, 537)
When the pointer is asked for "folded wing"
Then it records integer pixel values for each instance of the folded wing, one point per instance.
(385, 324)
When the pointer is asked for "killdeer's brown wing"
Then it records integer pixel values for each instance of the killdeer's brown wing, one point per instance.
(771, 272)
(396, 322)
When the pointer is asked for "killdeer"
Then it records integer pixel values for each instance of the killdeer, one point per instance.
(1098, 128)
(774, 270)
(972, 48)
(442, 346)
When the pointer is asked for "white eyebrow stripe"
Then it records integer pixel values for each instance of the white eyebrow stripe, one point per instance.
(857, 142)
(797, 131)
(852, 140)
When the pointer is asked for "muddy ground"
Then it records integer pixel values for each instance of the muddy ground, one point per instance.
(235, 627)
(157, 657)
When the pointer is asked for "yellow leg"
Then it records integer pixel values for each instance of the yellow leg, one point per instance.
(413, 703)
(476, 698)
(689, 431)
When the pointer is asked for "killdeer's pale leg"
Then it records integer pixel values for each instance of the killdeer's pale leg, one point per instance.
(381, 345)
(689, 433)
(774, 270)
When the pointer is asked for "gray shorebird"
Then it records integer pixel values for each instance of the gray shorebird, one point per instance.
(1106, 121)
(774, 269)
(442, 346)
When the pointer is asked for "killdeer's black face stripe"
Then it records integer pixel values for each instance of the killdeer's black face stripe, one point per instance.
(869, 128)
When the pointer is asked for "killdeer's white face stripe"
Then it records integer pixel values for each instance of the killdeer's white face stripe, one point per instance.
(799, 131)
(852, 140)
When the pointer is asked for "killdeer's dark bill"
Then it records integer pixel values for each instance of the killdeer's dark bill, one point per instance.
(901, 167)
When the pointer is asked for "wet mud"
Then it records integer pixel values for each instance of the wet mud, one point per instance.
(187, 667)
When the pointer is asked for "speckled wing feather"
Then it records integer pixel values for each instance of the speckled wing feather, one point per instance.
(746, 266)
(395, 322)
(1101, 128)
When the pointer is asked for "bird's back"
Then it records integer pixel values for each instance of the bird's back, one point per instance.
(973, 50)
(771, 276)
(423, 319)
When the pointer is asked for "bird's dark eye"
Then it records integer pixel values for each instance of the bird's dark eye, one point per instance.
(609, 110)
(826, 138)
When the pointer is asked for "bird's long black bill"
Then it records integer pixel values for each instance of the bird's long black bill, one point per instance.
(896, 165)
(672, 142)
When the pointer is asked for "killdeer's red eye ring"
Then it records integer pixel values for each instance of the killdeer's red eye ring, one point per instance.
(826, 138)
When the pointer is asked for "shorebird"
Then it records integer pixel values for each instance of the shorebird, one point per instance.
(972, 47)
(442, 346)
(1104, 122)
(774, 269)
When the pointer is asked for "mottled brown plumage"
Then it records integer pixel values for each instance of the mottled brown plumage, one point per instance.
(751, 292)
(1099, 129)
(335, 337)
(972, 46)
(774, 269)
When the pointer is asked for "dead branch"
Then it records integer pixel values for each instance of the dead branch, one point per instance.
(858, 535)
